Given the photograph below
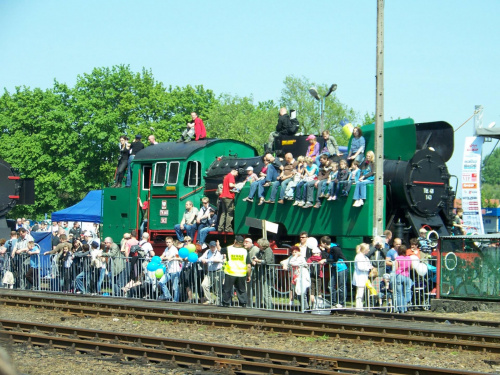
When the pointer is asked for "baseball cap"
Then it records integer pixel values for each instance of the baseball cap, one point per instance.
(212, 243)
(316, 250)
(94, 244)
(138, 136)
(250, 168)
(239, 239)
(386, 276)
(311, 136)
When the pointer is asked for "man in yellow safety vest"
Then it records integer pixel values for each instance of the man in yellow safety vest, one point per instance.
(237, 269)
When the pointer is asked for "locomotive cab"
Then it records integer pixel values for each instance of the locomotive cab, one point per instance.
(164, 177)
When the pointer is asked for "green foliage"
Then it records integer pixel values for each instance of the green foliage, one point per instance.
(238, 118)
(66, 138)
(368, 119)
(490, 176)
(295, 95)
(491, 168)
(489, 193)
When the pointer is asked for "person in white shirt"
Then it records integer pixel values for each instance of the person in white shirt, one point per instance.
(188, 222)
(170, 257)
(212, 260)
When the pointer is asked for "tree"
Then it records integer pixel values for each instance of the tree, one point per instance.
(295, 95)
(66, 138)
(36, 139)
(369, 118)
(238, 118)
(491, 168)
(489, 194)
(490, 176)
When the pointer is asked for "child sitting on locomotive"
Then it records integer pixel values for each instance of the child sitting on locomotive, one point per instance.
(340, 181)
(310, 173)
(353, 177)
(331, 185)
(251, 177)
(367, 177)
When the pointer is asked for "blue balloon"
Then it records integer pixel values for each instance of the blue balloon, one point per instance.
(193, 257)
(183, 253)
(164, 268)
(152, 267)
(156, 259)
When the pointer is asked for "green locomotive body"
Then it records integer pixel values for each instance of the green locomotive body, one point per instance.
(166, 175)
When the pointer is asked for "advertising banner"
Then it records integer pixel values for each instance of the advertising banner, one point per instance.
(471, 186)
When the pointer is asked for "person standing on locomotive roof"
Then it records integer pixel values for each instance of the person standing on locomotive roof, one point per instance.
(135, 147)
(227, 202)
(122, 160)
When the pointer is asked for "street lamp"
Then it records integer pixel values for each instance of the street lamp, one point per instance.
(315, 95)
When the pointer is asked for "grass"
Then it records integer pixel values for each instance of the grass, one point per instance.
(313, 339)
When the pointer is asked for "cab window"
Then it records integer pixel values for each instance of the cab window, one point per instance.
(146, 177)
(173, 173)
(160, 174)
(193, 174)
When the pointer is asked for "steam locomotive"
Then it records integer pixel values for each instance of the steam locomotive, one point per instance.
(166, 175)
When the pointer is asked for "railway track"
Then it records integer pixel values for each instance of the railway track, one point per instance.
(416, 318)
(198, 355)
(453, 336)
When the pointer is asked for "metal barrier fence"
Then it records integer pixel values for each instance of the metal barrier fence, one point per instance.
(309, 287)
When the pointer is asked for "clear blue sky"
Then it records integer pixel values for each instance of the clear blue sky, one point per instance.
(441, 57)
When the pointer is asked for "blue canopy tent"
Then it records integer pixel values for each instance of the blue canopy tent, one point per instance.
(88, 210)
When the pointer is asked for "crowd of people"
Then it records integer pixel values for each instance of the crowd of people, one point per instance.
(321, 174)
(384, 273)
(79, 263)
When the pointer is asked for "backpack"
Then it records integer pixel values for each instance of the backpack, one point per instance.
(134, 249)
(294, 126)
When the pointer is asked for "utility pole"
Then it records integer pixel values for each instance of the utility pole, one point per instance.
(378, 212)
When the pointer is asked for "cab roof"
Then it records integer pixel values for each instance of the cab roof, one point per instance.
(181, 150)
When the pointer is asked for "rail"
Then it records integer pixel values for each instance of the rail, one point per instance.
(388, 331)
(206, 356)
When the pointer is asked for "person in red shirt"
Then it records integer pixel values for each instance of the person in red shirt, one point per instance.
(227, 202)
(195, 129)
(199, 128)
